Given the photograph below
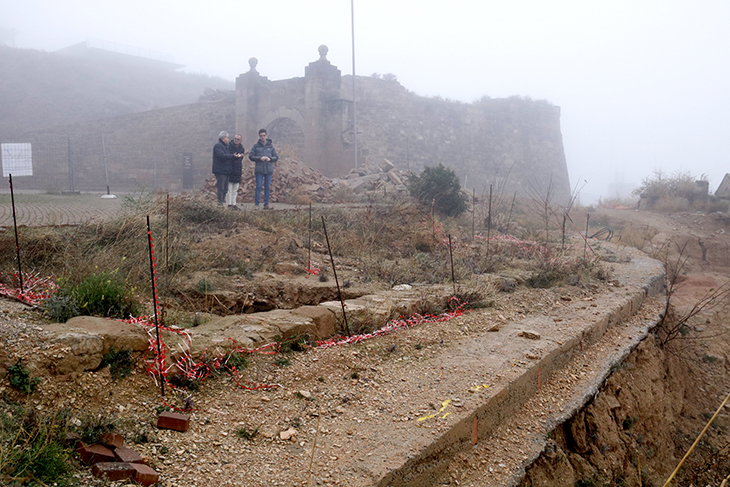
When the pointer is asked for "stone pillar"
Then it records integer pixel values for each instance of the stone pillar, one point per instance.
(251, 93)
(323, 116)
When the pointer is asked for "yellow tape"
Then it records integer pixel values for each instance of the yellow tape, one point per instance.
(443, 406)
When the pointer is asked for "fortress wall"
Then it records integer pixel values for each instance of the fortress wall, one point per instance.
(143, 150)
(486, 141)
(512, 143)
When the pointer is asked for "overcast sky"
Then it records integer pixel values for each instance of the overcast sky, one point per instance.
(643, 85)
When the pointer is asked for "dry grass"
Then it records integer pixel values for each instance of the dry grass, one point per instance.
(390, 244)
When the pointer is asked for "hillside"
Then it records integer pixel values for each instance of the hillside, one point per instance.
(41, 89)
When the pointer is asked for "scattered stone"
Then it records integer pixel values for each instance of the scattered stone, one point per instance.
(288, 434)
(529, 334)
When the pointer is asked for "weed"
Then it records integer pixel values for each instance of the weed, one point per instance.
(94, 426)
(236, 361)
(418, 346)
(60, 307)
(321, 379)
(120, 362)
(245, 434)
(204, 286)
(709, 359)
(592, 481)
(629, 422)
(104, 295)
(31, 445)
(291, 344)
(184, 382)
(20, 379)
(282, 361)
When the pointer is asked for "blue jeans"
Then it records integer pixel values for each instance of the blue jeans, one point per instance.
(266, 180)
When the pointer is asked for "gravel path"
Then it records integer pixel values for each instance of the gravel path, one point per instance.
(46, 210)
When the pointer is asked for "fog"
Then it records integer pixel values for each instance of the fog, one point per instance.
(643, 86)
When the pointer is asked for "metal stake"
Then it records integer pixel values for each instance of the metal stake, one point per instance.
(451, 257)
(334, 271)
(15, 226)
(154, 300)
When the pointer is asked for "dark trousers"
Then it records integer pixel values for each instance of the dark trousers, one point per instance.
(221, 183)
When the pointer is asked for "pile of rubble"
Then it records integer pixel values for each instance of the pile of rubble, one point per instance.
(296, 183)
(383, 177)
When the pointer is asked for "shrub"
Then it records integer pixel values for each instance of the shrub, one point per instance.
(103, 295)
(20, 379)
(439, 185)
(60, 307)
(120, 362)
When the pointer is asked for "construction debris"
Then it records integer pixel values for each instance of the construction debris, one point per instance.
(296, 183)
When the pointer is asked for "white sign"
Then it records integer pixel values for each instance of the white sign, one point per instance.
(17, 159)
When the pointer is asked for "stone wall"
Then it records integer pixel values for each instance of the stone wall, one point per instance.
(513, 144)
(144, 151)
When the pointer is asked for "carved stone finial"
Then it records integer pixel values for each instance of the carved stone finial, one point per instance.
(323, 50)
(252, 63)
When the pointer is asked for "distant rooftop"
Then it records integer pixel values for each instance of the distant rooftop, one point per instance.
(92, 47)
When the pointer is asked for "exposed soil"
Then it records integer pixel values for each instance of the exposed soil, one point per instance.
(325, 397)
(654, 406)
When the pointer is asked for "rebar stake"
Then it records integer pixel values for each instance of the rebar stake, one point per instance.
(334, 271)
(153, 278)
(15, 226)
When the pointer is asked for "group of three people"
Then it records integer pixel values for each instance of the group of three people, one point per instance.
(228, 167)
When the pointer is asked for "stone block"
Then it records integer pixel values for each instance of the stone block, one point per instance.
(112, 440)
(324, 319)
(127, 455)
(113, 471)
(395, 179)
(91, 454)
(386, 165)
(173, 421)
(84, 353)
(145, 475)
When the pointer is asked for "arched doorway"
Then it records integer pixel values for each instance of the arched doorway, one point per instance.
(288, 137)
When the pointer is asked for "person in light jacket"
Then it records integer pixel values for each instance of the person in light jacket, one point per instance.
(234, 179)
(264, 155)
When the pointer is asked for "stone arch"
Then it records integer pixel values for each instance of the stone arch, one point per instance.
(285, 126)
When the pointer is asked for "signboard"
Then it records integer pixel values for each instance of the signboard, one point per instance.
(17, 159)
(187, 179)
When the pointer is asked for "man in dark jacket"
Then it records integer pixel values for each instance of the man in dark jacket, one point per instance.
(234, 179)
(222, 161)
(264, 155)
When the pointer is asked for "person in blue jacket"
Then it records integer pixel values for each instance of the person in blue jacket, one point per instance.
(264, 155)
(222, 162)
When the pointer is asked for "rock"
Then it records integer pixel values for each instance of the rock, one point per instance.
(323, 318)
(529, 334)
(395, 179)
(83, 352)
(287, 268)
(288, 434)
(386, 165)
